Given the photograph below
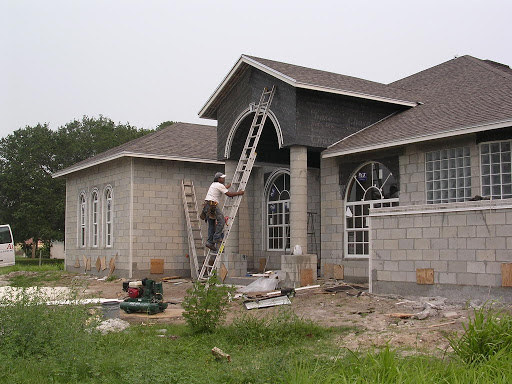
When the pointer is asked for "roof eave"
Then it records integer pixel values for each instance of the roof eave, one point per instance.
(73, 169)
(451, 133)
(293, 82)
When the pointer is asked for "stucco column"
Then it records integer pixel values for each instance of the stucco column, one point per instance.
(299, 197)
(232, 241)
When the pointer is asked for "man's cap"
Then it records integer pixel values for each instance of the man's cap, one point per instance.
(218, 175)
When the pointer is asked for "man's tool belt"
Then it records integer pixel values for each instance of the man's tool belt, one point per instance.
(209, 207)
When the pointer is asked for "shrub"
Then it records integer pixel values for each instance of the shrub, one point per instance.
(487, 334)
(205, 304)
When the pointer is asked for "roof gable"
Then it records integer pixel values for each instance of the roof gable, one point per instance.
(308, 78)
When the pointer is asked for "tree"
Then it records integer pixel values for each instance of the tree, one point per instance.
(164, 124)
(32, 202)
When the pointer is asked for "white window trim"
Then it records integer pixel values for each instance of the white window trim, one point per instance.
(96, 202)
(82, 220)
(105, 204)
(480, 166)
(361, 202)
(273, 176)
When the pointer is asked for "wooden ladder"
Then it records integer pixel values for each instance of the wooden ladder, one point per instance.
(195, 238)
(240, 179)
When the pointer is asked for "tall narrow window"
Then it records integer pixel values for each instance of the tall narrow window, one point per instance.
(108, 217)
(95, 213)
(278, 212)
(82, 221)
(496, 165)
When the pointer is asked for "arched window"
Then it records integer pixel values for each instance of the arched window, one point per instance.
(95, 221)
(371, 186)
(108, 216)
(81, 220)
(278, 211)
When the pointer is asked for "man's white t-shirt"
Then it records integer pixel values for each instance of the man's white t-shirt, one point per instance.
(216, 191)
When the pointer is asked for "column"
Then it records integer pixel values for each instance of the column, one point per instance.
(299, 197)
(232, 241)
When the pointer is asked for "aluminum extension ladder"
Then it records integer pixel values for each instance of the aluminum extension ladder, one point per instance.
(240, 178)
(195, 238)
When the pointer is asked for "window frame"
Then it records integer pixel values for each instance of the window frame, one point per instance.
(95, 218)
(82, 220)
(108, 224)
(465, 177)
(286, 227)
(490, 195)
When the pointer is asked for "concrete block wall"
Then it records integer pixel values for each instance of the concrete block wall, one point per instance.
(465, 243)
(332, 216)
(117, 175)
(160, 230)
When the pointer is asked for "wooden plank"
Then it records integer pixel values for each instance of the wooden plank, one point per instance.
(506, 274)
(263, 264)
(339, 272)
(306, 277)
(112, 265)
(157, 266)
(425, 276)
(77, 263)
(84, 259)
(223, 272)
(98, 264)
(88, 264)
(328, 271)
(104, 263)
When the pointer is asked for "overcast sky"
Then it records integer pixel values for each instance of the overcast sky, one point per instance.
(145, 62)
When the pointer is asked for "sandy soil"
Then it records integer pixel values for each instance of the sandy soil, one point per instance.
(370, 319)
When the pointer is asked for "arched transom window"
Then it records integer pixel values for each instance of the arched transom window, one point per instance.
(371, 186)
(278, 211)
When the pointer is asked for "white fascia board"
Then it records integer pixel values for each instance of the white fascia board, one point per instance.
(294, 83)
(419, 139)
(134, 154)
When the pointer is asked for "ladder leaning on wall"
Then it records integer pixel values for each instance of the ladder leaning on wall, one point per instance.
(195, 238)
(240, 178)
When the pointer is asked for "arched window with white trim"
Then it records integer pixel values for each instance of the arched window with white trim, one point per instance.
(109, 213)
(82, 210)
(277, 197)
(95, 218)
(371, 186)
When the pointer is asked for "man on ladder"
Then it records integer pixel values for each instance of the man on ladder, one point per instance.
(212, 210)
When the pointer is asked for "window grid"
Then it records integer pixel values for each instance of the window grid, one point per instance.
(448, 175)
(95, 219)
(82, 221)
(108, 217)
(278, 213)
(496, 169)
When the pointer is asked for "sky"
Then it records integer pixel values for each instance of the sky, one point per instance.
(145, 62)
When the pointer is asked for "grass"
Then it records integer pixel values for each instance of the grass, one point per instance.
(34, 275)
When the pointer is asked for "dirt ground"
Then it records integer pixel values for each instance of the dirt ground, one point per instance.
(371, 320)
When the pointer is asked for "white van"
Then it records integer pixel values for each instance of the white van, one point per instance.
(6, 246)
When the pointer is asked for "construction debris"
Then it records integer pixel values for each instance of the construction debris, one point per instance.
(220, 354)
(112, 325)
(265, 303)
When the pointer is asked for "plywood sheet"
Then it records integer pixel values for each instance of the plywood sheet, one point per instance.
(98, 264)
(88, 264)
(328, 271)
(263, 264)
(104, 263)
(157, 266)
(425, 276)
(339, 272)
(223, 272)
(112, 265)
(506, 275)
(306, 277)
(77, 263)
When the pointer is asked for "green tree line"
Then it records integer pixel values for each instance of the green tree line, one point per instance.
(31, 201)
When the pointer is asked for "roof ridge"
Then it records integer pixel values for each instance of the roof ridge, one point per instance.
(488, 66)
(422, 71)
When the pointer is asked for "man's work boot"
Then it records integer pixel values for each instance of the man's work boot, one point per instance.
(211, 246)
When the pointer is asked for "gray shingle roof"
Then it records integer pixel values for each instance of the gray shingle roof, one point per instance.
(302, 77)
(180, 141)
(458, 95)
